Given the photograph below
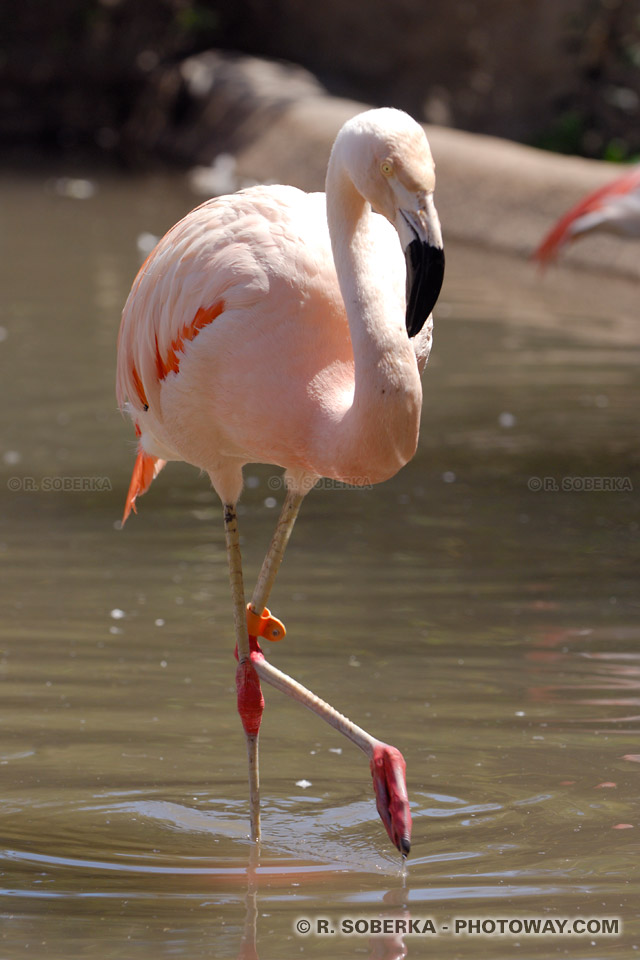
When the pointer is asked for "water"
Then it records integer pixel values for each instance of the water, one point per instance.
(480, 611)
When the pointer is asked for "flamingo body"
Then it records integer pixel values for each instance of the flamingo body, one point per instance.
(614, 208)
(275, 326)
(270, 379)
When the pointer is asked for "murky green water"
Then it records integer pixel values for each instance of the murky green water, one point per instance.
(480, 611)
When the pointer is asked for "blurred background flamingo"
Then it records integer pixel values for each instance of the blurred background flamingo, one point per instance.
(273, 326)
(614, 208)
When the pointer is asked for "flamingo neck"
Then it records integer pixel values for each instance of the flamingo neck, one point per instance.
(378, 427)
(375, 317)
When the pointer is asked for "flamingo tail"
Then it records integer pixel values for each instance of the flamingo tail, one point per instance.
(146, 469)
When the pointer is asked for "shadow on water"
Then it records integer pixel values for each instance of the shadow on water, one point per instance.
(480, 611)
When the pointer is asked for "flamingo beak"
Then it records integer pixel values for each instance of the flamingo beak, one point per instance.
(425, 273)
(420, 234)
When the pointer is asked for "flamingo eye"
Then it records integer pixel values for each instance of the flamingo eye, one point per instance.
(387, 168)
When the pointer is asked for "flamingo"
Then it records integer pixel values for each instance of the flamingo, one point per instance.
(275, 326)
(614, 208)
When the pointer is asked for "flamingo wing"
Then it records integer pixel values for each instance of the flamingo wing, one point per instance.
(229, 264)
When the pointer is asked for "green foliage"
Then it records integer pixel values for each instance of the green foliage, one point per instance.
(570, 135)
(616, 150)
(565, 135)
(197, 19)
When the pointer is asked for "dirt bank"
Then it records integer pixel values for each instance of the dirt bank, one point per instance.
(279, 123)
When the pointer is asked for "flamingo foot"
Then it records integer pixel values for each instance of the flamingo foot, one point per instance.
(389, 782)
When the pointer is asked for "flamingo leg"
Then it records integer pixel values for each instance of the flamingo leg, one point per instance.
(275, 553)
(250, 701)
(386, 762)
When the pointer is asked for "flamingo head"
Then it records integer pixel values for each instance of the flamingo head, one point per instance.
(389, 782)
(389, 161)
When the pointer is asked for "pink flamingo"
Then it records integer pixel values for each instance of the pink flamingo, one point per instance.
(275, 326)
(614, 208)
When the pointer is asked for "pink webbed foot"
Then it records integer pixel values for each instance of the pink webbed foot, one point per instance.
(389, 782)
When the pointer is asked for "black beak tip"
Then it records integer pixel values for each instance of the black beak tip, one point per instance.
(405, 847)
(425, 273)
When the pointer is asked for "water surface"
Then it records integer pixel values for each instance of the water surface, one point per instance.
(479, 611)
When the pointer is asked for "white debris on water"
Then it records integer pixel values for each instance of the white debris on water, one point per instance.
(449, 476)
(205, 515)
(216, 180)
(507, 420)
(303, 783)
(74, 187)
(117, 614)
(145, 243)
